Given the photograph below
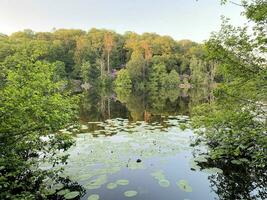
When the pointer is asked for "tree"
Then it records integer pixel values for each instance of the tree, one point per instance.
(123, 79)
(172, 79)
(33, 105)
(236, 120)
(135, 68)
(109, 43)
(158, 76)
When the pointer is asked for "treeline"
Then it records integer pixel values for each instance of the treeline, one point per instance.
(99, 56)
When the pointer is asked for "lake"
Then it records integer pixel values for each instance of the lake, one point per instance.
(139, 146)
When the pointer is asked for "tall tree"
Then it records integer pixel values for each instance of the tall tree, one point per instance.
(109, 44)
(236, 120)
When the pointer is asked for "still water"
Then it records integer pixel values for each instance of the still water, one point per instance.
(138, 146)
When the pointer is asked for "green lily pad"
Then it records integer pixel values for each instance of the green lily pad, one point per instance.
(158, 175)
(71, 195)
(122, 182)
(130, 193)
(93, 197)
(63, 192)
(50, 191)
(236, 162)
(184, 185)
(164, 183)
(92, 187)
(96, 183)
(201, 158)
(111, 186)
(213, 170)
(194, 165)
(58, 186)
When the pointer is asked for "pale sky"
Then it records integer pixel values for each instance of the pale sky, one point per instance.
(181, 19)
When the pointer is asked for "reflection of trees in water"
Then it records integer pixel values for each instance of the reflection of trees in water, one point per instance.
(147, 105)
(98, 105)
(238, 181)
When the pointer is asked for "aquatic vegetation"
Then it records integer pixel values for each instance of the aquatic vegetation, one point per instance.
(184, 185)
(71, 195)
(213, 170)
(122, 182)
(58, 186)
(63, 192)
(164, 183)
(93, 197)
(160, 177)
(111, 186)
(96, 183)
(130, 193)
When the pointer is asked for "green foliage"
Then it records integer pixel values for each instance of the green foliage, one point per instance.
(172, 79)
(235, 123)
(106, 51)
(158, 76)
(33, 106)
(123, 79)
(136, 68)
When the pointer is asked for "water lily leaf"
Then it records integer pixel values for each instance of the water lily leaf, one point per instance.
(111, 186)
(194, 165)
(158, 175)
(63, 192)
(50, 191)
(58, 186)
(122, 182)
(184, 185)
(213, 170)
(164, 183)
(236, 162)
(71, 195)
(130, 193)
(96, 183)
(92, 187)
(201, 158)
(93, 197)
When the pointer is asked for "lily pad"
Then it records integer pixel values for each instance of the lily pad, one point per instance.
(184, 185)
(71, 195)
(158, 175)
(93, 197)
(58, 186)
(63, 192)
(130, 193)
(213, 170)
(122, 182)
(164, 183)
(96, 183)
(111, 186)
(50, 191)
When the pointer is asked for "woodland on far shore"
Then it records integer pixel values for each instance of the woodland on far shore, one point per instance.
(99, 56)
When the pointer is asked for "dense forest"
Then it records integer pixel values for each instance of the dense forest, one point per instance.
(99, 56)
(41, 71)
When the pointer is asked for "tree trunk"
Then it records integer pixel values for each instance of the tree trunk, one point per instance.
(108, 64)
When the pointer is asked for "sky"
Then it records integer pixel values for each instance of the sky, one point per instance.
(181, 19)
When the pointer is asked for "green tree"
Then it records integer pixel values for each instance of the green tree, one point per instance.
(136, 68)
(172, 80)
(235, 120)
(158, 76)
(123, 79)
(33, 106)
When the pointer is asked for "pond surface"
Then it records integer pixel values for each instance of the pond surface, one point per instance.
(131, 148)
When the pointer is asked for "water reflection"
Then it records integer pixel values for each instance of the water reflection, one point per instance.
(153, 158)
(140, 143)
(147, 106)
(238, 182)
